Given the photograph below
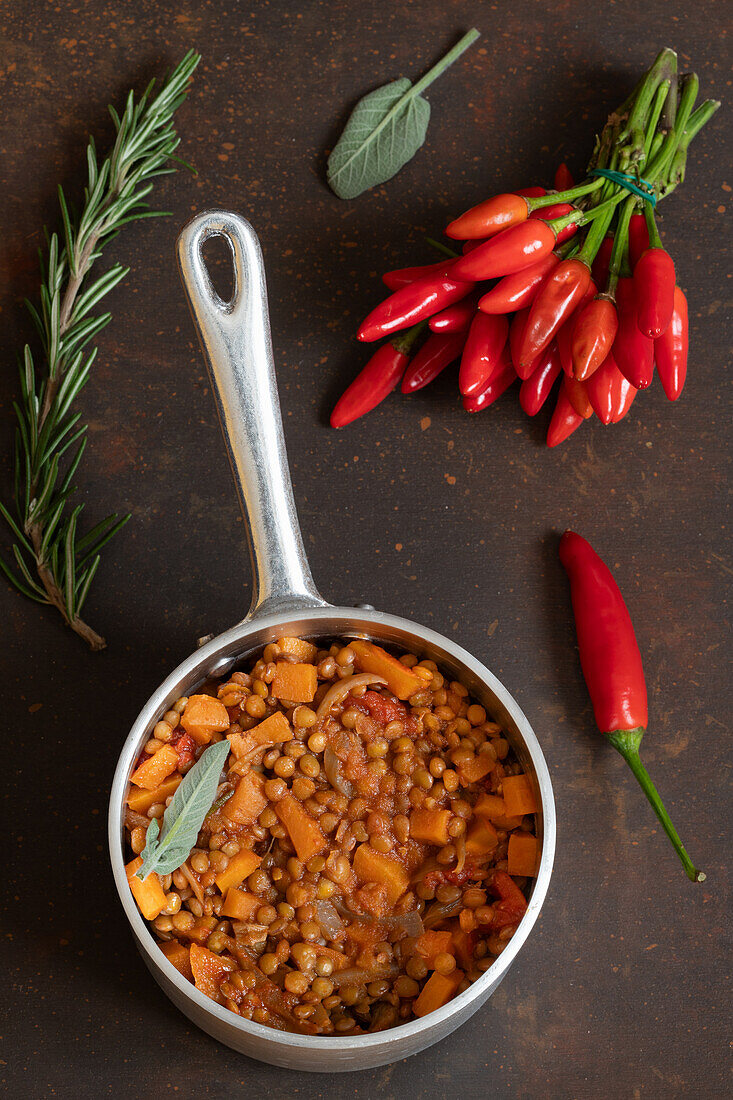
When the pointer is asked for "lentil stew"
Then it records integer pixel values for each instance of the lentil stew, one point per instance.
(366, 855)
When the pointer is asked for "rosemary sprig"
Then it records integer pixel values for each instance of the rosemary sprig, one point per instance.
(54, 564)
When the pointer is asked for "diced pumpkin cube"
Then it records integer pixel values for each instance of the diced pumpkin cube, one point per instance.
(481, 838)
(372, 866)
(155, 769)
(401, 680)
(238, 868)
(430, 826)
(141, 800)
(432, 943)
(523, 854)
(463, 947)
(275, 730)
(148, 894)
(437, 991)
(519, 797)
(294, 683)
(475, 769)
(247, 802)
(209, 969)
(298, 649)
(239, 905)
(178, 954)
(303, 830)
(491, 807)
(203, 716)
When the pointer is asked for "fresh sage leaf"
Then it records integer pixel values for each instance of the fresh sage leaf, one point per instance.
(385, 130)
(183, 818)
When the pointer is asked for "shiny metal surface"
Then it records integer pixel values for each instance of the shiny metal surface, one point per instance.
(286, 602)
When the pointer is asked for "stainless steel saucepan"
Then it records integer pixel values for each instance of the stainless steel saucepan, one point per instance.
(235, 337)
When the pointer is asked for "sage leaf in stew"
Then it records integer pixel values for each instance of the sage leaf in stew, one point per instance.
(385, 130)
(183, 818)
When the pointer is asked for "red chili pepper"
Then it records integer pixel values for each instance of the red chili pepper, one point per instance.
(413, 303)
(482, 354)
(623, 398)
(531, 192)
(511, 250)
(374, 382)
(564, 341)
(559, 210)
(468, 246)
(405, 276)
(632, 350)
(519, 290)
(455, 318)
(577, 395)
(606, 388)
(437, 353)
(535, 390)
(638, 238)
(593, 335)
(516, 332)
(563, 178)
(499, 382)
(561, 292)
(611, 663)
(489, 217)
(654, 283)
(602, 262)
(564, 420)
(670, 349)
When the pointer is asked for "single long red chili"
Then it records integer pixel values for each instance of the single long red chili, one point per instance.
(612, 667)
(670, 349)
(561, 292)
(414, 303)
(489, 217)
(516, 332)
(376, 380)
(535, 390)
(606, 388)
(654, 283)
(509, 251)
(563, 178)
(577, 395)
(594, 332)
(437, 353)
(632, 350)
(404, 276)
(638, 238)
(564, 335)
(455, 318)
(499, 382)
(622, 398)
(602, 262)
(482, 354)
(519, 290)
(564, 420)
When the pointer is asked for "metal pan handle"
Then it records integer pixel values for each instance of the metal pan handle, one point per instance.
(235, 338)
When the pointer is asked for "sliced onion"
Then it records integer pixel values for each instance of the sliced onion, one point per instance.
(360, 918)
(356, 975)
(412, 924)
(342, 688)
(461, 853)
(192, 881)
(332, 768)
(437, 913)
(331, 924)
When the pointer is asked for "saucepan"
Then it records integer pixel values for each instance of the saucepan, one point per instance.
(235, 338)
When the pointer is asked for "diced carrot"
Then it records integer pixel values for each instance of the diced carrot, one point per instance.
(401, 680)
(475, 768)
(247, 802)
(275, 730)
(239, 905)
(237, 869)
(491, 807)
(209, 969)
(432, 943)
(481, 838)
(523, 854)
(303, 830)
(155, 769)
(294, 683)
(372, 866)
(141, 800)
(298, 648)
(430, 826)
(437, 991)
(519, 797)
(203, 716)
(178, 954)
(148, 893)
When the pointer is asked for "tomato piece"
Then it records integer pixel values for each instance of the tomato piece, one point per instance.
(185, 746)
(382, 709)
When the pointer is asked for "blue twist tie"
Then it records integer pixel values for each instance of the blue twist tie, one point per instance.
(638, 186)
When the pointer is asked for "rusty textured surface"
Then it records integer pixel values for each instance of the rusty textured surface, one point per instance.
(448, 520)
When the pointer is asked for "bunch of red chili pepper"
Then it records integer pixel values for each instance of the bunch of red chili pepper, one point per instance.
(570, 286)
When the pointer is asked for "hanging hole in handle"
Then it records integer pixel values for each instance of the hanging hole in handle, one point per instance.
(217, 255)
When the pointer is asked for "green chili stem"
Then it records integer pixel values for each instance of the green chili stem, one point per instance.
(655, 240)
(619, 253)
(627, 742)
(404, 341)
(442, 248)
(565, 196)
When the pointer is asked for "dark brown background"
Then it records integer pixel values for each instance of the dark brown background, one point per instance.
(422, 511)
